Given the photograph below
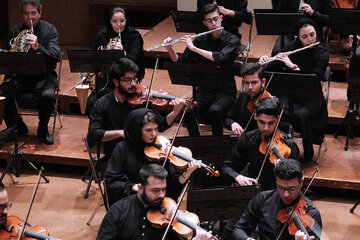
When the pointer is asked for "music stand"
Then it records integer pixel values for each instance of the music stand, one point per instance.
(21, 63)
(220, 203)
(187, 21)
(347, 22)
(196, 75)
(273, 22)
(93, 60)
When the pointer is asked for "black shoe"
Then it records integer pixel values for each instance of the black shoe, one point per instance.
(21, 130)
(44, 136)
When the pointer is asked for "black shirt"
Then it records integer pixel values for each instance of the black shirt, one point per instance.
(262, 211)
(109, 114)
(246, 154)
(224, 50)
(231, 24)
(126, 220)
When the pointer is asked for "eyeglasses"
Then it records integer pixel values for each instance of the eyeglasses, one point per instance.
(114, 21)
(33, 13)
(214, 19)
(129, 79)
(5, 206)
(289, 189)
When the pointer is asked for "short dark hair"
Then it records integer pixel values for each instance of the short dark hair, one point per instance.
(2, 187)
(268, 106)
(252, 68)
(209, 8)
(154, 170)
(35, 3)
(151, 117)
(122, 66)
(288, 169)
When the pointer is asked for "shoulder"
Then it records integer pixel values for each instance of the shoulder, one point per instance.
(46, 25)
(265, 196)
(230, 37)
(252, 136)
(104, 100)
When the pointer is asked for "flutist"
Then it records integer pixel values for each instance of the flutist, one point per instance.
(310, 116)
(43, 39)
(218, 48)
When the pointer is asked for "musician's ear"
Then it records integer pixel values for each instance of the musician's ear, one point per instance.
(263, 81)
(255, 116)
(116, 82)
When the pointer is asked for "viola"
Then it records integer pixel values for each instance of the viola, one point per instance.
(278, 151)
(252, 103)
(299, 220)
(184, 224)
(13, 228)
(179, 156)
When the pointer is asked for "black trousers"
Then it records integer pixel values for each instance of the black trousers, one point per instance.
(43, 86)
(211, 107)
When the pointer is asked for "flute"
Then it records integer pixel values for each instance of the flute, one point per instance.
(290, 52)
(178, 40)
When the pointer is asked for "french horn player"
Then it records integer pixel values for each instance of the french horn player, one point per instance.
(40, 37)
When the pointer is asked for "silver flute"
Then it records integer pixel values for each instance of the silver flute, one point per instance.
(178, 40)
(290, 52)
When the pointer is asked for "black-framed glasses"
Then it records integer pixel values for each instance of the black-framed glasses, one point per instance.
(5, 206)
(129, 79)
(214, 19)
(289, 189)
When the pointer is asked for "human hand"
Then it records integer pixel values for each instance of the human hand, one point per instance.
(237, 129)
(264, 59)
(192, 166)
(299, 235)
(167, 40)
(32, 40)
(307, 9)
(118, 46)
(245, 181)
(202, 235)
(285, 59)
(178, 104)
(188, 41)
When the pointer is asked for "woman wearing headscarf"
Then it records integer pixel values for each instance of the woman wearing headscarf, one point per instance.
(128, 158)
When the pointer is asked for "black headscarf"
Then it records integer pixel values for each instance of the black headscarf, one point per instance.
(133, 127)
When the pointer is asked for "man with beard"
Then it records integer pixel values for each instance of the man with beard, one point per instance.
(263, 209)
(244, 163)
(127, 219)
(4, 205)
(108, 115)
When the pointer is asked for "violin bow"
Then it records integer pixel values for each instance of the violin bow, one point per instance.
(253, 112)
(31, 203)
(151, 82)
(291, 214)
(270, 143)
(176, 209)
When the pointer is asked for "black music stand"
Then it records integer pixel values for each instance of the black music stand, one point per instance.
(347, 22)
(187, 21)
(220, 203)
(273, 22)
(295, 87)
(21, 63)
(196, 75)
(93, 60)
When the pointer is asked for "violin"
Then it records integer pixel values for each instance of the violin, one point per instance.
(13, 226)
(278, 151)
(184, 224)
(179, 156)
(300, 220)
(252, 103)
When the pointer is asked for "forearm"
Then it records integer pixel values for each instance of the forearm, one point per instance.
(202, 52)
(113, 134)
(173, 55)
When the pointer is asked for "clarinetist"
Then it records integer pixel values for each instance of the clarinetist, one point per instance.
(218, 48)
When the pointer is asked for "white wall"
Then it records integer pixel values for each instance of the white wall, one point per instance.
(190, 5)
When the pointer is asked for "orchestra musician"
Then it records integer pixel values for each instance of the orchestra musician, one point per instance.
(4, 205)
(130, 41)
(218, 48)
(234, 12)
(108, 115)
(263, 209)
(244, 163)
(128, 158)
(126, 219)
(239, 115)
(309, 116)
(44, 40)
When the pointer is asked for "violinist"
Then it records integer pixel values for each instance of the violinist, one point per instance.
(309, 116)
(244, 163)
(218, 48)
(130, 40)
(128, 158)
(263, 209)
(108, 115)
(240, 113)
(127, 218)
